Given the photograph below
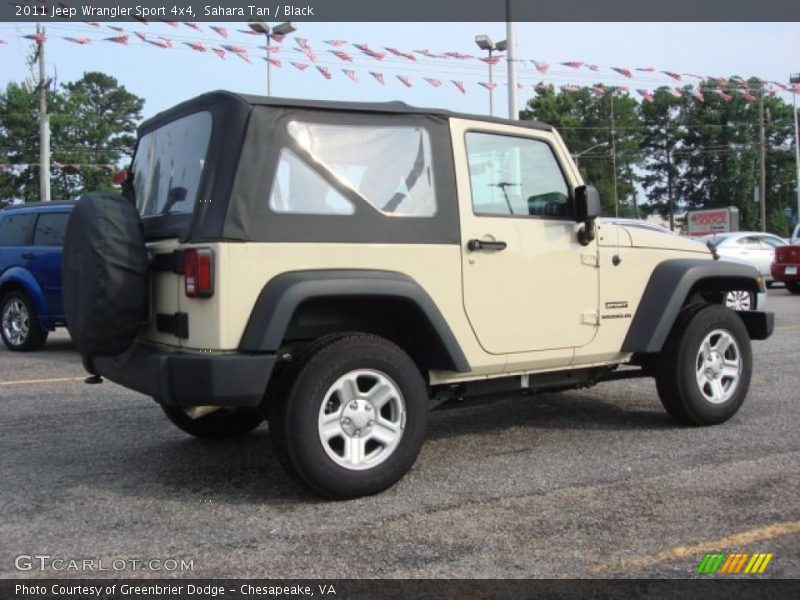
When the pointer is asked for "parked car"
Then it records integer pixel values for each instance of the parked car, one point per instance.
(795, 239)
(754, 247)
(734, 299)
(786, 267)
(343, 268)
(31, 239)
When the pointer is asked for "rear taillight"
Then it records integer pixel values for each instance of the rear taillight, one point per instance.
(198, 272)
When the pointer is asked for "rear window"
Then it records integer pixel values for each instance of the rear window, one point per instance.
(50, 229)
(168, 165)
(15, 229)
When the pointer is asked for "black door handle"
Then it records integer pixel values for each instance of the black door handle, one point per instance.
(29, 255)
(483, 245)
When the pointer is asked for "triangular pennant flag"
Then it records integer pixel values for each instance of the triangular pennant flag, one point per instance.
(397, 52)
(676, 92)
(170, 23)
(574, 64)
(235, 49)
(299, 66)
(541, 66)
(325, 71)
(488, 86)
(341, 54)
(623, 71)
(723, 95)
(198, 46)
(459, 85)
(404, 80)
(434, 82)
(302, 42)
(593, 67)
(675, 76)
(38, 37)
(194, 26)
(278, 37)
(81, 40)
(351, 74)
(140, 35)
(570, 88)
(219, 52)
(459, 56)
(543, 88)
(246, 58)
(598, 90)
(275, 62)
(698, 94)
(747, 96)
(378, 77)
(336, 43)
(646, 69)
(120, 39)
(646, 94)
(491, 60)
(220, 30)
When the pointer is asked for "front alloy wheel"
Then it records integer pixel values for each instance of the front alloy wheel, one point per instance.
(704, 369)
(740, 300)
(19, 326)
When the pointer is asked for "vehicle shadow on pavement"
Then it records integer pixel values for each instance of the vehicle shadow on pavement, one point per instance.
(561, 411)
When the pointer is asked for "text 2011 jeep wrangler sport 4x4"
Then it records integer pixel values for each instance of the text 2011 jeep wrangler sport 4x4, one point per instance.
(340, 269)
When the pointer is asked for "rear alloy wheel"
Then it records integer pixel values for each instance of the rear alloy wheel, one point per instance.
(352, 419)
(705, 367)
(19, 325)
(220, 424)
(740, 300)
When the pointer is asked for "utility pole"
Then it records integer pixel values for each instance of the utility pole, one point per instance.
(795, 81)
(44, 121)
(512, 64)
(762, 187)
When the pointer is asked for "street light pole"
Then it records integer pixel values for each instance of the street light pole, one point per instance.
(44, 121)
(282, 29)
(512, 65)
(484, 42)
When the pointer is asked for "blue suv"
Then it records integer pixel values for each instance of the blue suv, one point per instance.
(31, 238)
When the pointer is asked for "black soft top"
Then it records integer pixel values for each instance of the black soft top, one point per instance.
(248, 100)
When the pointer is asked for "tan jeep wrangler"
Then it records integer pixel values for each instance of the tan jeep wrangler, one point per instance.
(341, 269)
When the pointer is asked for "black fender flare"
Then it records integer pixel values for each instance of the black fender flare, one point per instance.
(281, 296)
(671, 283)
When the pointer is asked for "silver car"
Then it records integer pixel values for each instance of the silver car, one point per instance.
(754, 247)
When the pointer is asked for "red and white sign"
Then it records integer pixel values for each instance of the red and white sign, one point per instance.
(715, 220)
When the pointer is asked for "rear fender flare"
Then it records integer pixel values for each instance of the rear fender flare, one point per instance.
(282, 295)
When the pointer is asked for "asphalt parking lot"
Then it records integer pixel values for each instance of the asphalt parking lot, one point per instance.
(589, 483)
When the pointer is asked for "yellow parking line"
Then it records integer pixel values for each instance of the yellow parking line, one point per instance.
(56, 380)
(787, 327)
(743, 538)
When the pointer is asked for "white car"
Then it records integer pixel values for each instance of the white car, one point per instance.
(795, 239)
(754, 247)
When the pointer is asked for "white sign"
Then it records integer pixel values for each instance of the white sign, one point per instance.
(715, 220)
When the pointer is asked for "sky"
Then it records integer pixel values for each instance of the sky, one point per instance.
(164, 77)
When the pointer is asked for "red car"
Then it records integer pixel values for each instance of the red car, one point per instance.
(786, 267)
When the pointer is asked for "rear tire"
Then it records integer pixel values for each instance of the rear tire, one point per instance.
(704, 370)
(793, 287)
(223, 423)
(351, 419)
(19, 323)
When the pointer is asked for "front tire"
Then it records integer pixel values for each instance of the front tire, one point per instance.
(222, 424)
(352, 419)
(19, 323)
(705, 367)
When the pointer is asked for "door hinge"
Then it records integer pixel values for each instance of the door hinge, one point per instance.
(589, 318)
(589, 260)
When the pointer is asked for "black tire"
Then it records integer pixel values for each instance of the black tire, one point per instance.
(19, 323)
(105, 274)
(222, 424)
(679, 362)
(793, 287)
(295, 412)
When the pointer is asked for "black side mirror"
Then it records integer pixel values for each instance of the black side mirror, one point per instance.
(587, 203)
(587, 209)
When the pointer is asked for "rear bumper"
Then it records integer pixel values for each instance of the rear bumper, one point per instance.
(175, 378)
(779, 272)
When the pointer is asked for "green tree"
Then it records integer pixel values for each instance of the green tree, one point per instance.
(584, 121)
(93, 122)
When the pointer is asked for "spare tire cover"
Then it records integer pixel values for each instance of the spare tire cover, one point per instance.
(104, 270)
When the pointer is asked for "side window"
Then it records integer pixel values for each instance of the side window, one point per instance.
(749, 242)
(50, 229)
(15, 229)
(390, 166)
(515, 176)
(772, 242)
(299, 189)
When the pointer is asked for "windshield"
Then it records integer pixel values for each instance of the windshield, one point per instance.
(168, 165)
